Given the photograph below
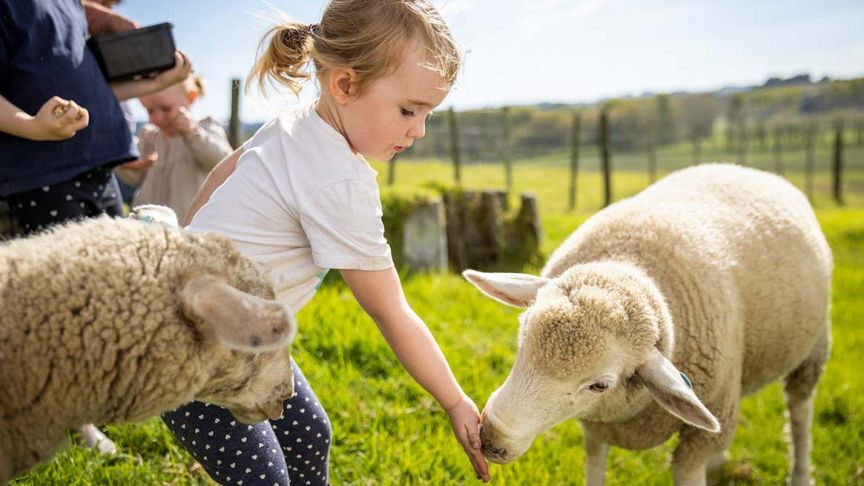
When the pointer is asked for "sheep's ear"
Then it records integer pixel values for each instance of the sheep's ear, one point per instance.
(671, 389)
(239, 320)
(154, 213)
(516, 289)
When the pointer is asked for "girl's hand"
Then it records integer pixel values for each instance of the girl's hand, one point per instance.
(465, 420)
(184, 123)
(59, 119)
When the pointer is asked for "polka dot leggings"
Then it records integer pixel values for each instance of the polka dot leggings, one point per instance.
(89, 194)
(297, 446)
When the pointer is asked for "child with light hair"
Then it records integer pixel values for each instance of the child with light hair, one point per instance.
(300, 198)
(177, 150)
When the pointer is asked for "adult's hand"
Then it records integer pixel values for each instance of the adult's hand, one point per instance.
(181, 70)
(101, 20)
(125, 90)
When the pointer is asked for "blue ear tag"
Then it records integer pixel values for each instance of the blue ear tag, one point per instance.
(686, 380)
(147, 219)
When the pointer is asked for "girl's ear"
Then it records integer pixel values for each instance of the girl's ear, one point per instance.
(343, 84)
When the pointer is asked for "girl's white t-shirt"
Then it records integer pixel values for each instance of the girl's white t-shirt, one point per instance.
(300, 202)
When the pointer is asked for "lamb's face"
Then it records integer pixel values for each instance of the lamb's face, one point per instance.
(588, 349)
(252, 386)
(246, 339)
(565, 369)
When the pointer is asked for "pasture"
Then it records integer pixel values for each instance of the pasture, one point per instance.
(388, 431)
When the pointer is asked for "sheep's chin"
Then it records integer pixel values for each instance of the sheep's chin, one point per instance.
(503, 459)
(249, 417)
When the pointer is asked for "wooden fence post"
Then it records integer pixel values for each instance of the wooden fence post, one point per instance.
(391, 171)
(575, 134)
(742, 143)
(424, 237)
(651, 147)
(838, 163)
(454, 146)
(761, 135)
(809, 159)
(778, 151)
(508, 163)
(696, 139)
(605, 160)
(234, 121)
(860, 128)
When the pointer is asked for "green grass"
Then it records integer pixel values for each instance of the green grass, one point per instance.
(388, 431)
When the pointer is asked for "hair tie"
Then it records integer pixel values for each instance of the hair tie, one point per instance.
(313, 29)
(294, 37)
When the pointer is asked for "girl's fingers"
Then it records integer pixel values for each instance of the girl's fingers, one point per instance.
(476, 457)
(472, 431)
(479, 464)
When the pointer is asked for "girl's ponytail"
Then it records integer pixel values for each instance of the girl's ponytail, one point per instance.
(285, 58)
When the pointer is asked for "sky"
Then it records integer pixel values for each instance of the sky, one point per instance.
(571, 51)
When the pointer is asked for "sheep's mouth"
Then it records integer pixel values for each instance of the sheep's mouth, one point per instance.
(274, 408)
(250, 416)
(272, 411)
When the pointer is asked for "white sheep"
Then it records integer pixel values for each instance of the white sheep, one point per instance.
(108, 321)
(717, 273)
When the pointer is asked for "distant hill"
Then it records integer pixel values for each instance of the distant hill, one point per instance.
(853, 89)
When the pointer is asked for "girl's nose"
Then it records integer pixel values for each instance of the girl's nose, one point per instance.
(418, 130)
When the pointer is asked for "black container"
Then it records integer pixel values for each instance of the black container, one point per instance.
(134, 54)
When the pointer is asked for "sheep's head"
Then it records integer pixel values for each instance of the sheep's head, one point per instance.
(256, 377)
(590, 347)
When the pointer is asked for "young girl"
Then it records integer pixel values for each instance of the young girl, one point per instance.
(301, 199)
(177, 151)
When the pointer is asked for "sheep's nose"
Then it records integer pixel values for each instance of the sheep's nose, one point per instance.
(494, 451)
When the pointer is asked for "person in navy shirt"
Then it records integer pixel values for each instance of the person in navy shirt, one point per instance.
(61, 125)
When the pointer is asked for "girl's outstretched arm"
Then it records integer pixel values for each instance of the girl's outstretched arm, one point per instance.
(380, 294)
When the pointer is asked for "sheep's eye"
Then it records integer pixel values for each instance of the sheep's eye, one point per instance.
(598, 387)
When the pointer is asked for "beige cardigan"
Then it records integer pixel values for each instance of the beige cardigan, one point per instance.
(182, 167)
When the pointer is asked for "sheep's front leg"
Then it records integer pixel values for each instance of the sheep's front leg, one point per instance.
(595, 459)
(94, 439)
(691, 458)
(691, 475)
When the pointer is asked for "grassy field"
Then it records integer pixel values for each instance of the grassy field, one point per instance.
(388, 431)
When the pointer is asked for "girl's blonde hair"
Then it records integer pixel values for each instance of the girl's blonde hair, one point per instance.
(368, 36)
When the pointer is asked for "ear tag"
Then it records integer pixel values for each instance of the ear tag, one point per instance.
(686, 380)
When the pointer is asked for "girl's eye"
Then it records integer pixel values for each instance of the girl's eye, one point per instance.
(406, 112)
(598, 387)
